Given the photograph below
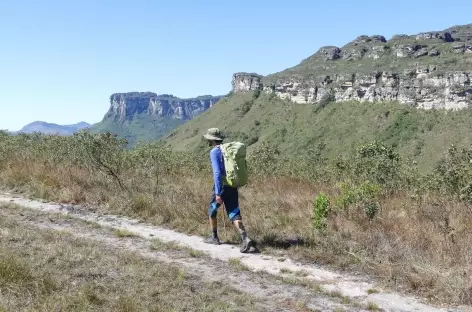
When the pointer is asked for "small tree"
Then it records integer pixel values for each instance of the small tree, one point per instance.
(378, 164)
(321, 209)
(365, 197)
(453, 175)
(103, 152)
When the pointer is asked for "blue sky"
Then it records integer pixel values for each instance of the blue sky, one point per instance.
(61, 60)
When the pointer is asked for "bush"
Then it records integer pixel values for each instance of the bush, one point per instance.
(321, 208)
(263, 161)
(453, 175)
(378, 164)
(103, 152)
(366, 196)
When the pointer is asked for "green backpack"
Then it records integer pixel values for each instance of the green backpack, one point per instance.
(234, 155)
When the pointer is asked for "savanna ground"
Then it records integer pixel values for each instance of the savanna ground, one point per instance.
(368, 212)
(53, 261)
(52, 270)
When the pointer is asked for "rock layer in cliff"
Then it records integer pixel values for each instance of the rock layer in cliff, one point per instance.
(124, 106)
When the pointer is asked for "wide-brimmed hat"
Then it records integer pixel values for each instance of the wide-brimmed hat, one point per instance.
(213, 134)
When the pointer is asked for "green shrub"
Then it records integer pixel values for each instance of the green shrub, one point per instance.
(321, 208)
(453, 175)
(371, 209)
(378, 164)
(104, 153)
(263, 161)
(366, 196)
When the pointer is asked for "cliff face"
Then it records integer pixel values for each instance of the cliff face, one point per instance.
(427, 70)
(419, 87)
(246, 82)
(124, 106)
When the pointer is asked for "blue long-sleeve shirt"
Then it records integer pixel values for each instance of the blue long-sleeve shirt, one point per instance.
(218, 166)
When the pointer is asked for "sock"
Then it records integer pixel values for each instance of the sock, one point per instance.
(215, 233)
(243, 234)
(242, 230)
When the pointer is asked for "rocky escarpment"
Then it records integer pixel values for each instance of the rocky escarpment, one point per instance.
(125, 106)
(419, 87)
(246, 82)
(427, 70)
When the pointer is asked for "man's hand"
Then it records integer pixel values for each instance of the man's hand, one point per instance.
(218, 200)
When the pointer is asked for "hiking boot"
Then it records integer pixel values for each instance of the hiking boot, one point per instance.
(212, 240)
(246, 244)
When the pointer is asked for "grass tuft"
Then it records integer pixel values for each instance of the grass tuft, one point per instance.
(286, 271)
(238, 265)
(372, 306)
(123, 233)
(195, 253)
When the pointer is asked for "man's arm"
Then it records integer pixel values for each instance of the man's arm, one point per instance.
(215, 157)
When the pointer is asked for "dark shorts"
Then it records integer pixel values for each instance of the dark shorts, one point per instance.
(230, 199)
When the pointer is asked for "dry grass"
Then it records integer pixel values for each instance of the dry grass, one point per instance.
(371, 306)
(418, 245)
(195, 253)
(238, 265)
(312, 285)
(286, 271)
(44, 270)
(121, 233)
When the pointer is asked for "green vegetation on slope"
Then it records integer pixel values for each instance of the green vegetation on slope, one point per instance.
(356, 56)
(314, 66)
(338, 128)
(141, 127)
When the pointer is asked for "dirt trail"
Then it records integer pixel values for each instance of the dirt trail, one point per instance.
(215, 268)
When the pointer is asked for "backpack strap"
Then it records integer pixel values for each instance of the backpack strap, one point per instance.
(222, 158)
(223, 162)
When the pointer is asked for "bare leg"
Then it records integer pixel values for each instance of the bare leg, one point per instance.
(246, 243)
(240, 226)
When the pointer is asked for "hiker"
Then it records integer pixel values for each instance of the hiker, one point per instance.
(223, 193)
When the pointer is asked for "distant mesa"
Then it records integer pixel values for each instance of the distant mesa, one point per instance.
(124, 106)
(147, 116)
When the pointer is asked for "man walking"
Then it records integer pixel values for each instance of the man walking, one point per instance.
(223, 193)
